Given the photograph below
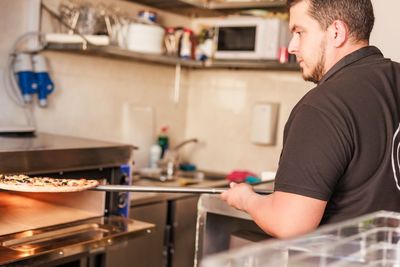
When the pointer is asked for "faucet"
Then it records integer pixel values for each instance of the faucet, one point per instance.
(171, 157)
(181, 144)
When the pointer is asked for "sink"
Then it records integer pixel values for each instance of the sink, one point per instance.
(187, 175)
(202, 174)
(198, 178)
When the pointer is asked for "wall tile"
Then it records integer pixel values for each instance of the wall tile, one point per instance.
(220, 110)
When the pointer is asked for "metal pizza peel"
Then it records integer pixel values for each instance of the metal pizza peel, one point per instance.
(164, 189)
(119, 188)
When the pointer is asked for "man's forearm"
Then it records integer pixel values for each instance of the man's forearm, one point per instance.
(283, 218)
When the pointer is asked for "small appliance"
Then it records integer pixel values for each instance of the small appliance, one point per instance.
(250, 38)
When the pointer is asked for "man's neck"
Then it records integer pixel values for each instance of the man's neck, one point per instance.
(350, 49)
(344, 51)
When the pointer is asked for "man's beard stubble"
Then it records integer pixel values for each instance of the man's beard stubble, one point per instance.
(319, 69)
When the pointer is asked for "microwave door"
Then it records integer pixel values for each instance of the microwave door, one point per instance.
(237, 39)
(236, 42)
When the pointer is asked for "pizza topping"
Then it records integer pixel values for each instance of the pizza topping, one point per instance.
(16, 182)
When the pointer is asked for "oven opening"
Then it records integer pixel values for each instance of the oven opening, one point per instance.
(56, 238)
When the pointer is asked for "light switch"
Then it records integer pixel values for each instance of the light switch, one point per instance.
(264, 123)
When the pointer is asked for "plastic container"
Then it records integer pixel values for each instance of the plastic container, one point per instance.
(170, 42)
(186, 44)
(145, 38)
(370, 240)
(155, 156)
(148, 15)
(163, 140)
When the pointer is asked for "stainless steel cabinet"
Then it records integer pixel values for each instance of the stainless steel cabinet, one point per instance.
(171, 244)
(222, 227)
(182, 223)
(145, 251)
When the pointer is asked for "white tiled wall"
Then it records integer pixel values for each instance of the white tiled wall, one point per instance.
(12, 24)
(219, 113)
(92, 93)
(215, 105)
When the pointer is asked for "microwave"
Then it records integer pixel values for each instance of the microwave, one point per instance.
(252, 38)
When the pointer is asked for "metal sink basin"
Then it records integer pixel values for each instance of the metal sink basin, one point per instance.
(187, 176)
(201, 174)
(182, 178)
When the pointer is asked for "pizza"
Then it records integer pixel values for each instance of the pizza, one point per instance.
(25, 183)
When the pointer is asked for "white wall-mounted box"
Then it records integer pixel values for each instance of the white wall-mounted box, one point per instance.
(264, 123)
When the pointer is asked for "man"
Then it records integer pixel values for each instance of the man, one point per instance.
(337, 161)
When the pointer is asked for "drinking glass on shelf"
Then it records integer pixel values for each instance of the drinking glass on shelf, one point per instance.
(69, 14)
(88, 19)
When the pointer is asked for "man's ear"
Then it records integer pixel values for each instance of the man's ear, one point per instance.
(339, 33)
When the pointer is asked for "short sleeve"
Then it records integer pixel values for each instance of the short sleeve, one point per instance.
(315, 154)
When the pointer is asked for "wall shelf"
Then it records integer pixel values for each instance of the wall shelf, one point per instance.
(116, 52)
(202, 8)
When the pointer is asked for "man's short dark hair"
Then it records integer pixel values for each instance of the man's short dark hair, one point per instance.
(357, 14)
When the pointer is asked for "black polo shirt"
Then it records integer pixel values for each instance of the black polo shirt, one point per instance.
(339, 138)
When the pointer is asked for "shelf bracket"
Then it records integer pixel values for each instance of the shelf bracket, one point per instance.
(177, 85)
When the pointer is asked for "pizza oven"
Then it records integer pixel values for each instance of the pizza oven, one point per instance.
(68, 229)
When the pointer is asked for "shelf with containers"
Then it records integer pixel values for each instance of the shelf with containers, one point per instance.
(201, 8)
(123, 51)
(116, 52)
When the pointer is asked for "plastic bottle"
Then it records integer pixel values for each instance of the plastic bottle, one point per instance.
(163, 140)
(186, 44)
(155, 156)
(170, 42)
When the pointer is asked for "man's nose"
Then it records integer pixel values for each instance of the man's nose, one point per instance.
(293, 45)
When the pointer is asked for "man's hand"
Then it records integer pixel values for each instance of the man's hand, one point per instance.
(238, 196)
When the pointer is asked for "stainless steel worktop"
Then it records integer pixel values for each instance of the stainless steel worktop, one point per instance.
(140, 198)
(221, 227)
(145, 198)
(214, 204)
(41, 153)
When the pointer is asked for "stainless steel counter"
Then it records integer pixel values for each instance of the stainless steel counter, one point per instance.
(45, 153)
(221, 227)
(146, 198)
(214, 204)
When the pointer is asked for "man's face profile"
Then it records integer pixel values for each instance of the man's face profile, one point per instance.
(308, 42)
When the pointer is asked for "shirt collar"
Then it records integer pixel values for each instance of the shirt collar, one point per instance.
(349, 59)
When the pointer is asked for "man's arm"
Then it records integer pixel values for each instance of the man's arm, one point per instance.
(280, 214)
